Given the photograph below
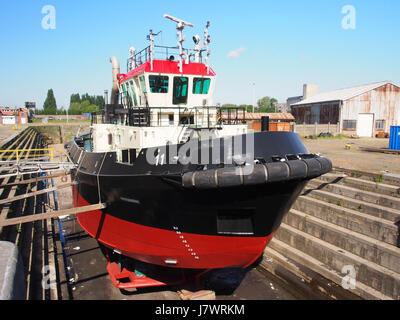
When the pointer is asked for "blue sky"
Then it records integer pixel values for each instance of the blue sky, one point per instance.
(284, 44)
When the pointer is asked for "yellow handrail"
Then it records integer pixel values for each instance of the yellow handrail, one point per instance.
(49, 150)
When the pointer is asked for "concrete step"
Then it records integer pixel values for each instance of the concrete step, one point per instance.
(367, 196)
(362, 184)
(377, 228)
(378, 252)
(355, 204)
(302, 281)
(387, 178)
(372, 275)
(290, 258)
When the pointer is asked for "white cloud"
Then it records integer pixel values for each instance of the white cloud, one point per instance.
(234, 54)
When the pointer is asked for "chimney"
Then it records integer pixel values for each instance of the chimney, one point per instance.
(309, 90)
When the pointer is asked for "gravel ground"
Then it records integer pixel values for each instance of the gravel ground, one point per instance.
(354, 158)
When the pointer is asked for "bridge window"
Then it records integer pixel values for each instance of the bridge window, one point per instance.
(158, 84)
(201, 85)
(143, 84)
(180, 93)
(133, 93)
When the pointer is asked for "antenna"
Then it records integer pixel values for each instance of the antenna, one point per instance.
(179, 27)
(150, 37)
(207, 40)
(132, 60)
(178, 20)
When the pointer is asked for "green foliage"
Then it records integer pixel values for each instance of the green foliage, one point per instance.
(75, 98)
(265, 104)
(85, 104)
(50, 105)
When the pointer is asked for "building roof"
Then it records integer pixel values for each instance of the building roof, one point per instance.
(258, 115)
(341, 94)
(166, 66)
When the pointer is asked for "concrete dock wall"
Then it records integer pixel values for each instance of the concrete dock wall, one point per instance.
(340, 223)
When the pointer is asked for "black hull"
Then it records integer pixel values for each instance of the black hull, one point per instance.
(156, 197)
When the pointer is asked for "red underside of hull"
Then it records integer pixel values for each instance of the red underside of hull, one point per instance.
(156, 246)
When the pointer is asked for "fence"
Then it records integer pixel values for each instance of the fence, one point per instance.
(315, 129)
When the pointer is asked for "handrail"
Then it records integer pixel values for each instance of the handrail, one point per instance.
(166, 51)
(50, 153)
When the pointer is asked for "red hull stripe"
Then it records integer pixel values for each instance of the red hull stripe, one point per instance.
(165, 66)
(156, 246)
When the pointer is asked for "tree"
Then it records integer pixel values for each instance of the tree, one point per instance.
(85, 103)
(267, 105)
(75, 98)
(50, 105)
(99, 101)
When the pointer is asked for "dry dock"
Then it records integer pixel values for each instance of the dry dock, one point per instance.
(345, 218)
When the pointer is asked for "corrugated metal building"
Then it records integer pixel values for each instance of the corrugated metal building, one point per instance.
(364, 110)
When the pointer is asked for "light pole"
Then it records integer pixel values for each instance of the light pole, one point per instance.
(254, 95)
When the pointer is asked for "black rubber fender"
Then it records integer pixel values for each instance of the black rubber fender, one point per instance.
(326, 164)
(259, 175)
(314, 168)
(204, 179)
(298, 169)
(230, 177)
(278, 171)
(187, 179)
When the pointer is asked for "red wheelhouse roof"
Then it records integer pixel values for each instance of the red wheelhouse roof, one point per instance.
(166, 66)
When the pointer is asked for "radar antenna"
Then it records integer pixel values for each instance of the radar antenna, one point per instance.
(179, 27)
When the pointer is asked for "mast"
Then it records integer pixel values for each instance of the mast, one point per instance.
(179, 27)
(150, 37)
(207, 41)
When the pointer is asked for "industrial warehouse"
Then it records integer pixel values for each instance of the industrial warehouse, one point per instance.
(364, 111)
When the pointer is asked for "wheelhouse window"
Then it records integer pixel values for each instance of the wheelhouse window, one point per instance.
(133, 93)
(349, 124)
(143, 84)
(201, 85)
(124, 92)
(180, 92)
(380, 124)
(158, 84)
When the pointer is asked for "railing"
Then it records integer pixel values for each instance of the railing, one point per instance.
(205, 117)
(39, 153)
(160, 53)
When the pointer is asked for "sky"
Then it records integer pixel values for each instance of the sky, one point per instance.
(258, 47)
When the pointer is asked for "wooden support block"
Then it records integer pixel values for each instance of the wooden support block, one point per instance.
(198, 295)
(51, 214)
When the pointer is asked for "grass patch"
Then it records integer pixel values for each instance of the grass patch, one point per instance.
(327, 136)
(378, 179)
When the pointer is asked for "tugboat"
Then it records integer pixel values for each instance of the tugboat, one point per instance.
(184, 183)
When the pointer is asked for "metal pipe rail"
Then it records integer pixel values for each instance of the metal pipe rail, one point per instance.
(50, 153)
